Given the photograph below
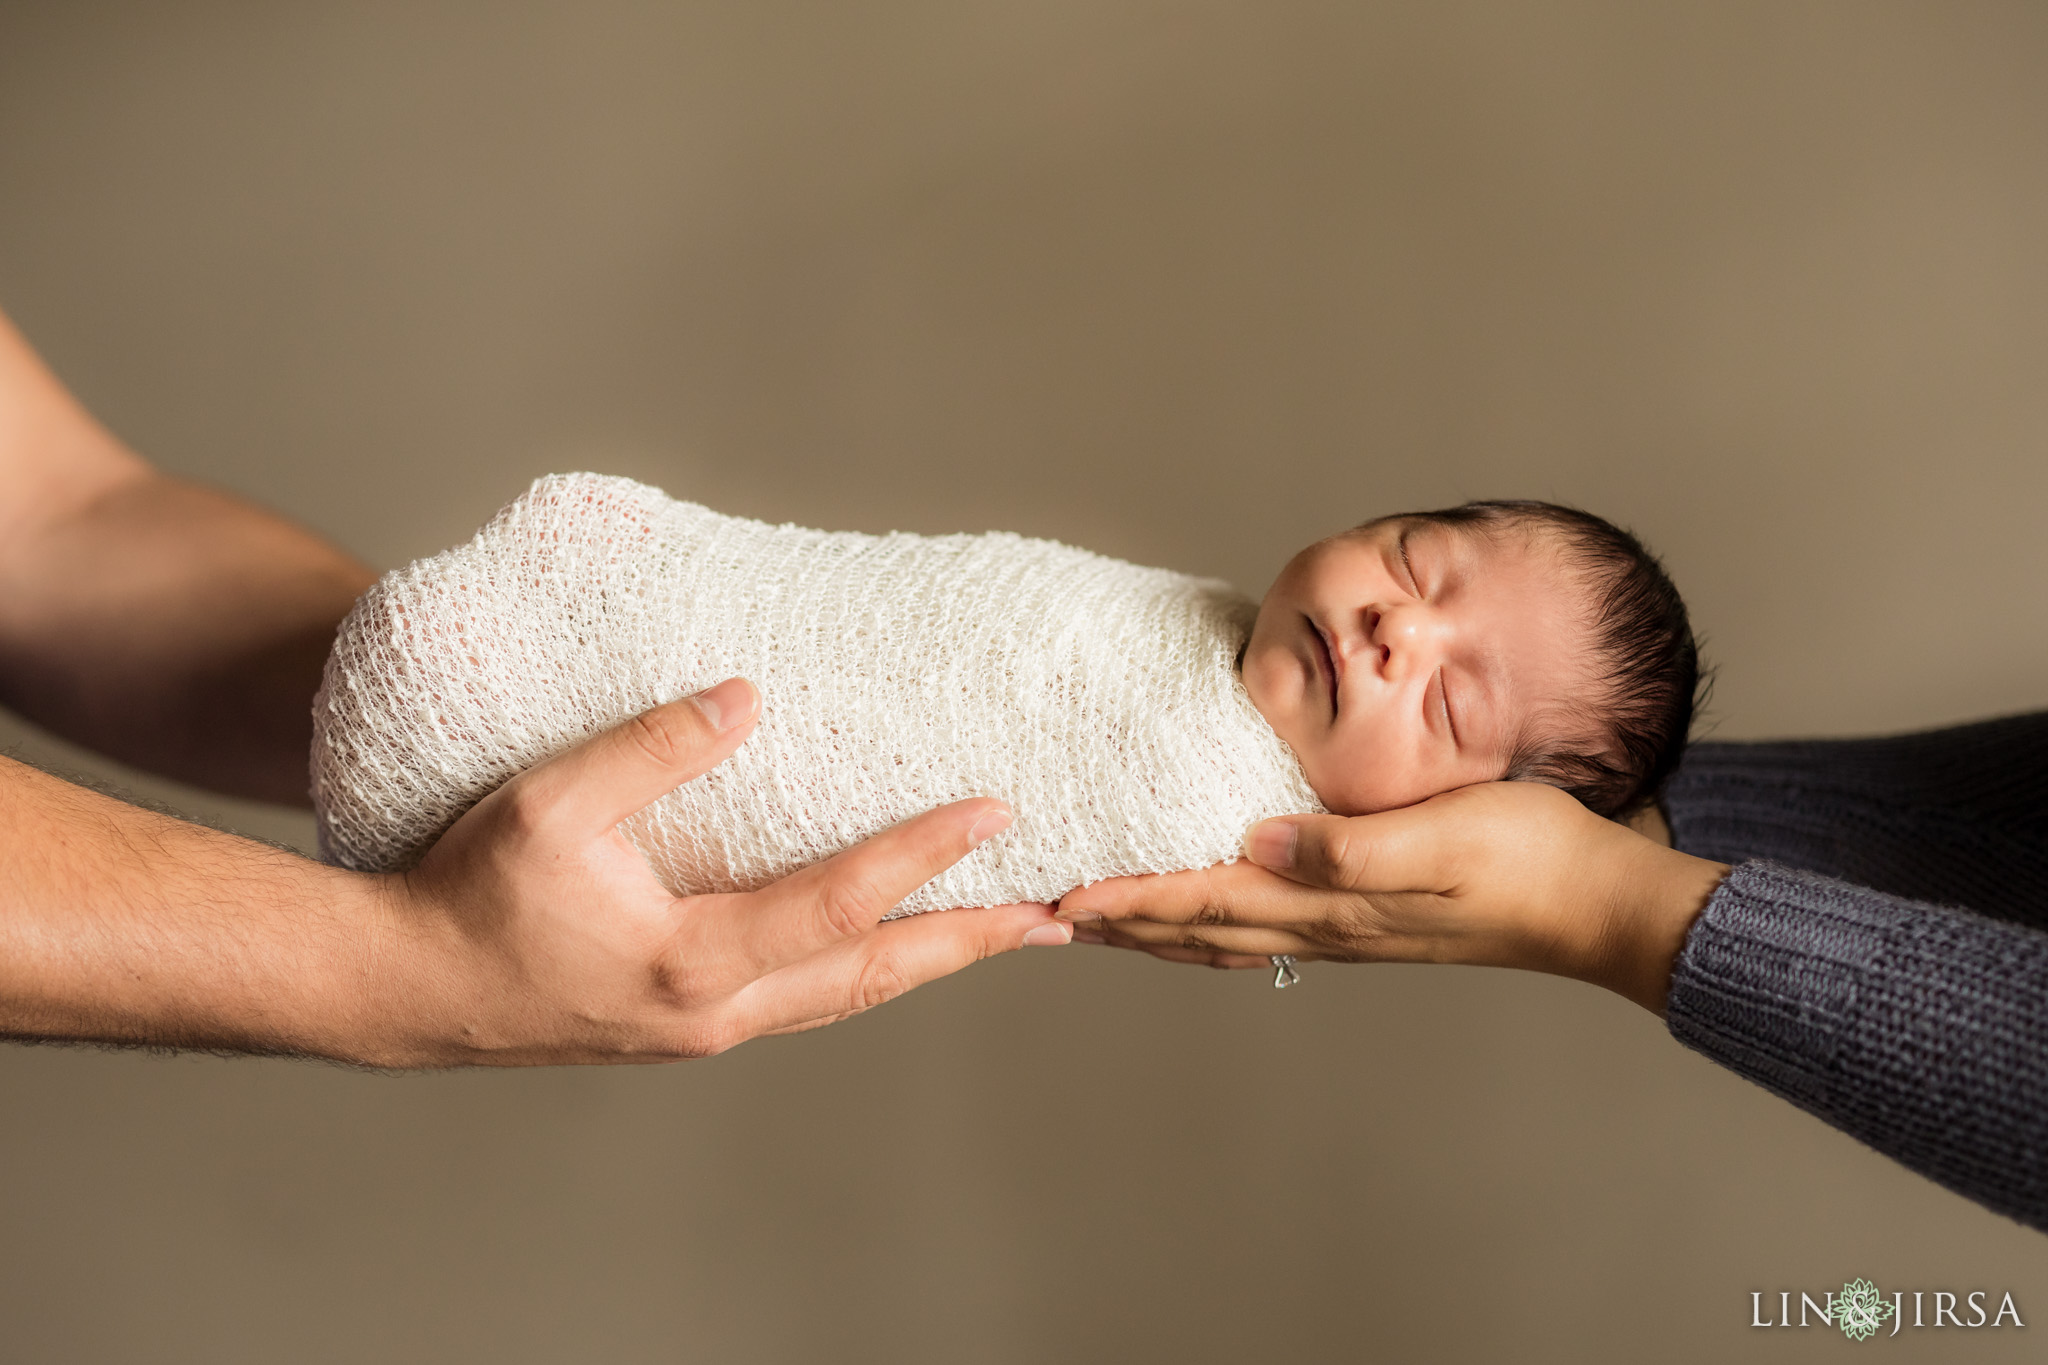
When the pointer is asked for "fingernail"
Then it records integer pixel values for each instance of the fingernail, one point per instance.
(1075, 914)
(989, 826)
(1048, 936)
(1271, 843)
(727, 704)
(1090, 936)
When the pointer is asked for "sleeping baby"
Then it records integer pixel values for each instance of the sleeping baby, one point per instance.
(1136, 720)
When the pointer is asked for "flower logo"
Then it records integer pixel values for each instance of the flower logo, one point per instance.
(1860, 1310)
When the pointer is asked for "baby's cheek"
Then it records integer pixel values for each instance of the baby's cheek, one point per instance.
(1358, 779)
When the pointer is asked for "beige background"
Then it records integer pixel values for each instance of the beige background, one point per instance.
(1188, 283)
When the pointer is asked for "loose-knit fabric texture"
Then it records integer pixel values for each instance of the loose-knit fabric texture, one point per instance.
(1958, 816)
(1920, 1028)
(897, 672)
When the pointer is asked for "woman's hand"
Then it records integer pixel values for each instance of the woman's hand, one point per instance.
(1506, 874)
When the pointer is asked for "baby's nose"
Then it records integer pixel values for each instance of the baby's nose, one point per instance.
(1407, 638)
(1375, 649)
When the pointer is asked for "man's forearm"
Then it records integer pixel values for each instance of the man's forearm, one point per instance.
(119, 925)
(164, 624)
(177, 629)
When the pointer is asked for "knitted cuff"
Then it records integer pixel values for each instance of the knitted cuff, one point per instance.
(1919, 1030)
(1767, 981)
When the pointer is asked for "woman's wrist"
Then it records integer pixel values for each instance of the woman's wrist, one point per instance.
(1646, 915)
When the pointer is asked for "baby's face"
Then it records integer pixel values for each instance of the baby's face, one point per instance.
(1408, 658)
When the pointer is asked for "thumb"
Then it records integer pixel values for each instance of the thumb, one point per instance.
(590, 789)
(1392, 851)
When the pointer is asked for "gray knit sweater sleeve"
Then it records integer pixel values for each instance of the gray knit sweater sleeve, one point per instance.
(1858, 989)
(1922, 1031)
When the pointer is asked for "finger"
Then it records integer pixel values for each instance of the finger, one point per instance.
(1231, 893)
(851, 976)
(1208, 938)
(590, 789)
(845, 896)
(1396, 850)
(1197, 957)
(1210, 893)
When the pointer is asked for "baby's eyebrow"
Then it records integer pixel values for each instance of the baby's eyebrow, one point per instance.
(1401, 549)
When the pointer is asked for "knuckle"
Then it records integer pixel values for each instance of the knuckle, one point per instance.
(880, 980)
(1342, 928)
(656, 735)
(708, 1039)
(846, 904)
(524, 809)
(1343, 854)
(672, 981)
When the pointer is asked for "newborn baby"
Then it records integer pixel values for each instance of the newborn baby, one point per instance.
(1137, 720)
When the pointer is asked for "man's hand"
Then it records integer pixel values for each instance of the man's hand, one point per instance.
(533, 932)
(181, 630)
(1506, 874)
(550, 941)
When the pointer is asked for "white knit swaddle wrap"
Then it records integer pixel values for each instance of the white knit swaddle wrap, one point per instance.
(898, 672)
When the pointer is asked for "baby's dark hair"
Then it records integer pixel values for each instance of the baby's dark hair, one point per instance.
(1649, 658)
